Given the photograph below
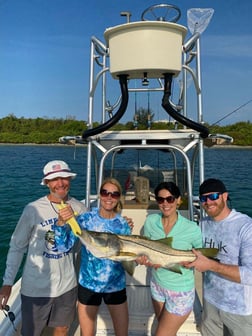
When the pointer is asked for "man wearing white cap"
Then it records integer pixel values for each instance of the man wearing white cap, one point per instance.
(49, 286)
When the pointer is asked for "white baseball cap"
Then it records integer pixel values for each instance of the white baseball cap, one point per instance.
(55, 169)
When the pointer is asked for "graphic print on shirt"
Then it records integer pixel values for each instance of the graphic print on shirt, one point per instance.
(50, 241)
(212, 244)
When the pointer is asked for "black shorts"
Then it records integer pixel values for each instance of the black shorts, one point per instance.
(91, 298)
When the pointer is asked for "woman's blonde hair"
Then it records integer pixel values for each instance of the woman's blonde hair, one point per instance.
(116, 183)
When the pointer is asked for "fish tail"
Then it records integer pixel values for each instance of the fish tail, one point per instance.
(208, 252)
(71, 221)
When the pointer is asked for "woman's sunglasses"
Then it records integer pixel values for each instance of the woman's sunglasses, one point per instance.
(212, 197)
(169, 199)
(106, 193)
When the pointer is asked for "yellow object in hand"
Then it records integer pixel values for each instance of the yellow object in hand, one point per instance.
(71, 221)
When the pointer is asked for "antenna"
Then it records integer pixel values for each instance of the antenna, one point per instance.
(237, 109)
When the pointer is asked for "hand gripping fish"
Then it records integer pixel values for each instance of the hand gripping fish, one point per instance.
(71, 221)
(126, 249)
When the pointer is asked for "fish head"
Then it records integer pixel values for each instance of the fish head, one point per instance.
(100, 244)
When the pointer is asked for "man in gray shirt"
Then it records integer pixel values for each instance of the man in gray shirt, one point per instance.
(48, 285)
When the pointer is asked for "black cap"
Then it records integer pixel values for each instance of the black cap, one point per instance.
(212, 185)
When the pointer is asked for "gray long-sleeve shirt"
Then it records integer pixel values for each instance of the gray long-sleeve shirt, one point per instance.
(47, 272)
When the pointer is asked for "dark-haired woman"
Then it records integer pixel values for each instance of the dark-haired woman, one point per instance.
(100, 279)
(172, 293)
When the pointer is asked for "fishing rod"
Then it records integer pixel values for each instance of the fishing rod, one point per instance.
(227, 115)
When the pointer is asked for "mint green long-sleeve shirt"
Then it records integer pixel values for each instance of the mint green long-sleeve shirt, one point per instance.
(185, 236)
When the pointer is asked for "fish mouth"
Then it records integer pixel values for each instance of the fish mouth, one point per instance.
(101, 244)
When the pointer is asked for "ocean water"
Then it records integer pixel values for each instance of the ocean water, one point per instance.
(21, 173)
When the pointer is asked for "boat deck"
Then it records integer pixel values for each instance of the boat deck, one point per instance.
(141, 317)
(144, 323)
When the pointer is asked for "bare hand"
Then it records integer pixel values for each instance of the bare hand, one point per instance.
(65, 214)
(5, 293)
(143, 260)
(130, 222)
(201, 263)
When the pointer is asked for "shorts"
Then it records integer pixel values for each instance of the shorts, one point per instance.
(216, 322)
(39, 312)
(91, 298)
(178, 303)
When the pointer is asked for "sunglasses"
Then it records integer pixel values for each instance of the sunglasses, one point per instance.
(106, 193)
(169, 199)
(212, 197)
(10, 315)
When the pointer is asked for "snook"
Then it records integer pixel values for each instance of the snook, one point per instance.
(127, 248)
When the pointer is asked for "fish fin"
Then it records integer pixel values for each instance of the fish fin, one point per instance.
(129, 266)
(176, 268)
(166, 241)
(124, 256)
(208, 252)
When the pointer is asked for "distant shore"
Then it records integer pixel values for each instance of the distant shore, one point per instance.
(35, 144)
(84, 145)
(230, 146)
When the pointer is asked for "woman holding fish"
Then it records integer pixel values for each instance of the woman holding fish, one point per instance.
(172, 292)
(99, 278)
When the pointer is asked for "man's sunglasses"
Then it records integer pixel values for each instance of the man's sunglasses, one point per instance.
(212, 197)
(10, 315)
(106, 193)
(169, 199)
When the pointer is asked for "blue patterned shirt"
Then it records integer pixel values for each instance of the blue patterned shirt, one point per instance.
(97, 274)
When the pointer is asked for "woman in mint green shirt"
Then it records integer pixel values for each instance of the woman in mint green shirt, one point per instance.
(172, 293)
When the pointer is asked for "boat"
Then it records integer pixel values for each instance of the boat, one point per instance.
(145, 56)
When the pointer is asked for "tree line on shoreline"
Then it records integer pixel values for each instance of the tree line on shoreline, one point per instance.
(48, 131)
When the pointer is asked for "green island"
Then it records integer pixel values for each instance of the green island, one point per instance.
(15, 130)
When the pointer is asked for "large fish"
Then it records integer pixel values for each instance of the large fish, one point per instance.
(126, 249)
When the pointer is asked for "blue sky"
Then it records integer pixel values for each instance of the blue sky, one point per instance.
(45, 55)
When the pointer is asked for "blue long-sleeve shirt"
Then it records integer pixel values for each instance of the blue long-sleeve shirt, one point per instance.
(99, 275)
(233, 237)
